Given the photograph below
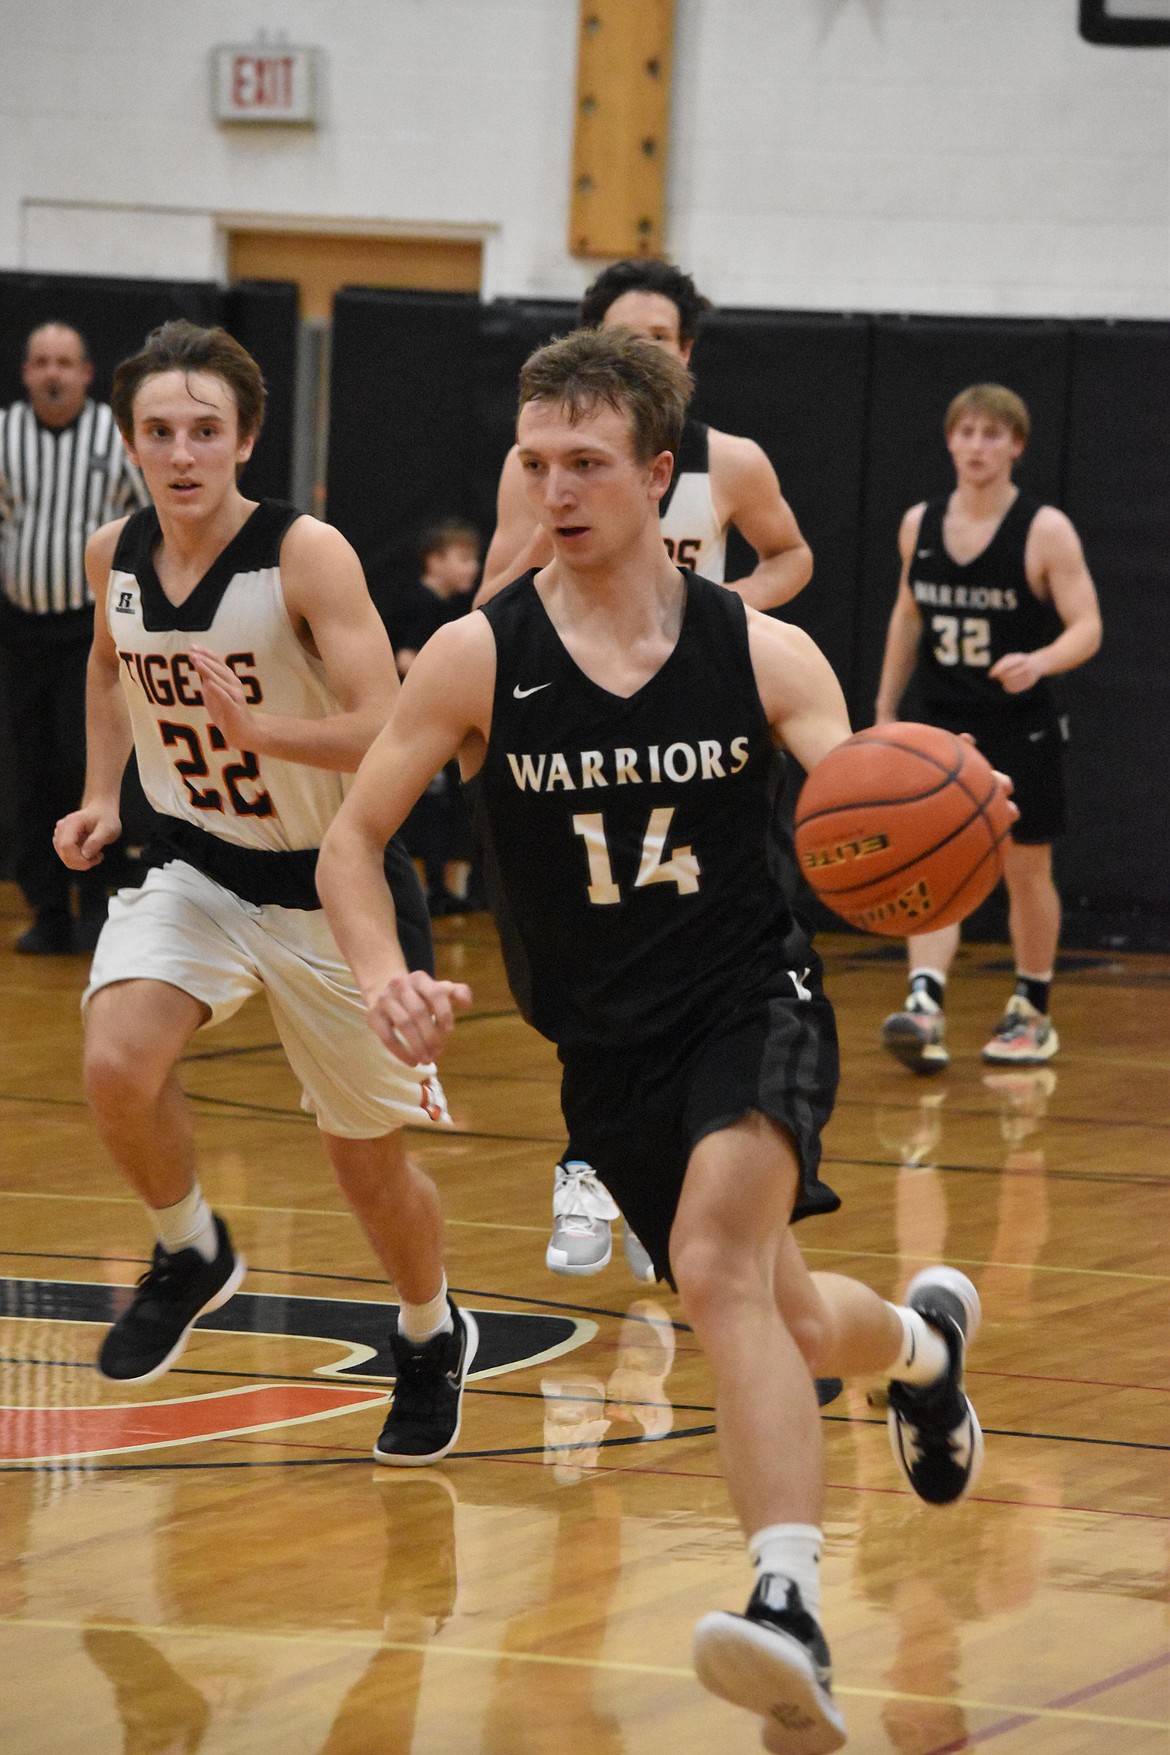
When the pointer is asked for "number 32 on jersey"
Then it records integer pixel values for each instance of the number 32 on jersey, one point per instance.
(682, 868)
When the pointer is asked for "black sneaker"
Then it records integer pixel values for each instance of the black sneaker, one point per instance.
(934, 1433)
(773, 1660)
(423, 1422)
(173, 1293)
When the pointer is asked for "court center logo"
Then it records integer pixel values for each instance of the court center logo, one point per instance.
(355, 1331)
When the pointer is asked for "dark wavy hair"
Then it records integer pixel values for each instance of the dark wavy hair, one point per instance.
(645, 275)
(180, 346)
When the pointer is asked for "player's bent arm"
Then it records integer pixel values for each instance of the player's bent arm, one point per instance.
(1073, 593)
(905, 628)
(517, 543)
(799, 691)
(81, 835)
(444, 710)
(747, 494)
(331, 610)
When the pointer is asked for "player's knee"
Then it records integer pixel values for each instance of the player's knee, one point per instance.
(117, 1075)
(710, 1274)
(810, 1331)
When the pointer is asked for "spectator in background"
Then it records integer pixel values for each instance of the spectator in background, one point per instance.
(438, 831)
(63, 472)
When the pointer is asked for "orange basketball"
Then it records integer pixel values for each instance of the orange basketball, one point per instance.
(900, 829)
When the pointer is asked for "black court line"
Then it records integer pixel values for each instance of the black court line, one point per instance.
(988, 1112)
(345, 1280)
(262, 1111)
(364, 1458)
(272, 1111)
(1126, 1180)
(515, 1395)
(517, 1450)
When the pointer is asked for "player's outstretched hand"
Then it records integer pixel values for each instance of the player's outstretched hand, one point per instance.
(225, 698)
(80, 837)
(414, 1014)
(1006, 783)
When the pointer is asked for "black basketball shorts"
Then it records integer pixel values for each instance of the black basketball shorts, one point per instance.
(1030, 747)
(637, 1113)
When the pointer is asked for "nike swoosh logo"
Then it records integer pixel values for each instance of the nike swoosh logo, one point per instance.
(1035, 736)
(520, 694)
(924, 553)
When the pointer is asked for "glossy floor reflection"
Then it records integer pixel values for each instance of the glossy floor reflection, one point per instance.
(214, 1563)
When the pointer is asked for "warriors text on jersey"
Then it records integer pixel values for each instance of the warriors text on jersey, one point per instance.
(639, 871)
(691, 529)
(237, 611)
(975, 613)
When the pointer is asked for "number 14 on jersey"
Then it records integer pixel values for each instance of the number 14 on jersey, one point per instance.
(682, 868)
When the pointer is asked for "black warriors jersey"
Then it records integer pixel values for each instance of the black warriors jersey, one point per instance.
(973, 615)
(638, 870)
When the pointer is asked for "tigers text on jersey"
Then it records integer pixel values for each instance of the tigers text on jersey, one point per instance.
(238, 611)
(639, 870)
(973, 614)
(691, 529)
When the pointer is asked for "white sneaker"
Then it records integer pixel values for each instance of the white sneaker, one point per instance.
(1023, 1036)
(583, 1210)
(638, 1259)
(917, 1035)
(773, 1661)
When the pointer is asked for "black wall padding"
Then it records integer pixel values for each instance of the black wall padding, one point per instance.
(919, 364)
(114, 316)
(1118, 849)
(263, 317)
(400, 439)
(796, 383)
(509, 330)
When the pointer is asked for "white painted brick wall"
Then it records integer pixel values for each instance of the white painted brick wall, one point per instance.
(929, 155)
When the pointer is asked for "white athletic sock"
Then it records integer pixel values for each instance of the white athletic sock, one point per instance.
(188, 1224)
(924, 1355)
(793, 1551)
(422, 1322)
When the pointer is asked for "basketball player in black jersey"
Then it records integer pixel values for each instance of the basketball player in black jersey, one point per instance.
(994, 599)
(621, 723)
(719, 479)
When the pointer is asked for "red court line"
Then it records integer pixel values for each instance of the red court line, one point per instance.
(52, 1434)
(1013, 1723)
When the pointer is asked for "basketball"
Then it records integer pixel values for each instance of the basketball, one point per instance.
(900, 829)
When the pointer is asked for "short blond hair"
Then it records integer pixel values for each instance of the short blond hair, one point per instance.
(994, 402)
(619, 369)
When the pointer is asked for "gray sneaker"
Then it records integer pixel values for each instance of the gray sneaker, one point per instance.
(638, 1259)
(583, 1210)
(917, 1035)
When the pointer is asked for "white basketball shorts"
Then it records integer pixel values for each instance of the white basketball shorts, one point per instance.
(183, 928)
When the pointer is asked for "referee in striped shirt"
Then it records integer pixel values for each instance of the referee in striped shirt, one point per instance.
(63, 472)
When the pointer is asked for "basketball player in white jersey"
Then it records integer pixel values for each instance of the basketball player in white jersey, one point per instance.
(718, 480)
(237, 651)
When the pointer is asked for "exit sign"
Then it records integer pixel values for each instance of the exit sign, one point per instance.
(259, 82)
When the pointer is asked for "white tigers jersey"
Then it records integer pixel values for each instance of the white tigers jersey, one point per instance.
(691, 529)
(237, 611)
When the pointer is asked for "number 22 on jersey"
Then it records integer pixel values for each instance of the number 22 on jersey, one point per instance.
(682, 868)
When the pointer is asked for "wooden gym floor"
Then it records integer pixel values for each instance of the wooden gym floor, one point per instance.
(214, 1563)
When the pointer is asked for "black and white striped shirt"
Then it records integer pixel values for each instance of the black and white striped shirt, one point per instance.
(57, 485)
